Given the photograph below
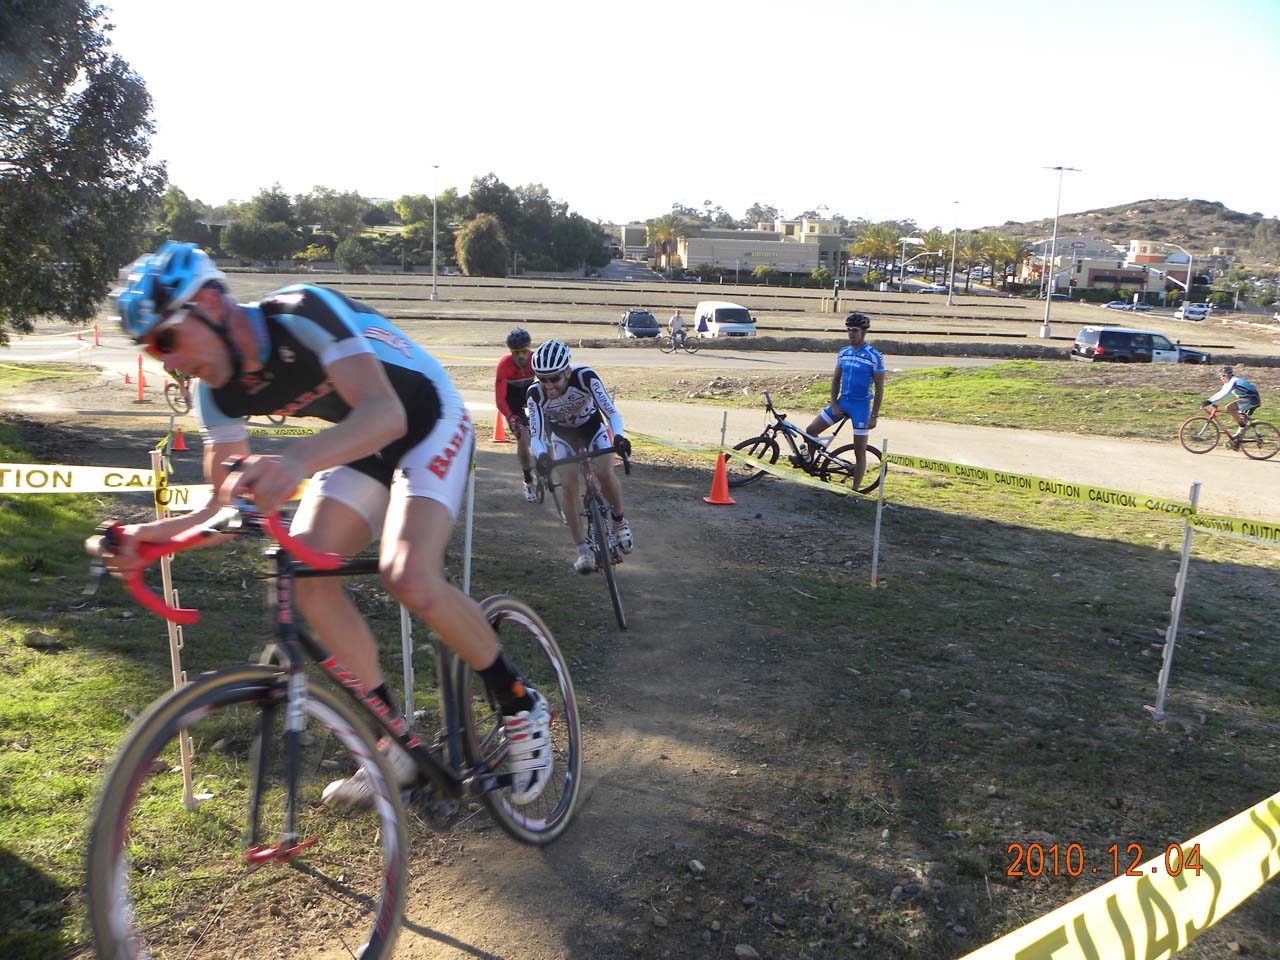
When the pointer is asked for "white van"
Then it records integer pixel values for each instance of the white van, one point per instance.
(719, 318)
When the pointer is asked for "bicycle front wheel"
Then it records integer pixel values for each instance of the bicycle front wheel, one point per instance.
(739, 472)
(1260, 441)
(604, 551)
(533, 650)
(179, 401)
(1199, 434)
(839, 467)
(691, 345)
(166, 882)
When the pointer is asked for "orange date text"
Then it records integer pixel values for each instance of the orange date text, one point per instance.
(1128, 860)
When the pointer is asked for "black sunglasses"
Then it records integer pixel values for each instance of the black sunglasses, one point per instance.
(165, 342)
(554, 378)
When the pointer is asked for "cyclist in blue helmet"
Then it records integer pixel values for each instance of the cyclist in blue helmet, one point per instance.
(393, 466)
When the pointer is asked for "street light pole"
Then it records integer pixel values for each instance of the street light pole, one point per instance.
(1186, 287)
(1053, 251)
(951, 277)
(902, 269)
(434, 190)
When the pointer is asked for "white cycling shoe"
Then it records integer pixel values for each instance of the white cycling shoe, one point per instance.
(622, 531)
(357, 791)
(530, 493)
(529, 750)
(586, 561)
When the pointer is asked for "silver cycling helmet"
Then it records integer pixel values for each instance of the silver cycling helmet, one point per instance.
(1227, 372)
(550, 357)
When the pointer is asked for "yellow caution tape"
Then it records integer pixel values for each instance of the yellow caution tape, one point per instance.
(1155, 908)
(1030, 484)
(1253, 531)
(61, 478)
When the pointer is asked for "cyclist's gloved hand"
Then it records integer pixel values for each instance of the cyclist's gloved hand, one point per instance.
(543, 464)
(622, 445)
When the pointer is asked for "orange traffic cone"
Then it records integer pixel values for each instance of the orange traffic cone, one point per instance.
(499, 434)
(126, 377)
(720, 486)
(178, 442)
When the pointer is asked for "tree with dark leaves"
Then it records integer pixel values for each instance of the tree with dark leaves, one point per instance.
(75, 181)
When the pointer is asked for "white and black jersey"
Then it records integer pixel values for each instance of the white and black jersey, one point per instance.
(578, 412)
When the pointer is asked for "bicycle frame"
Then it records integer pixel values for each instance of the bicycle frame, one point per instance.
(790, 431)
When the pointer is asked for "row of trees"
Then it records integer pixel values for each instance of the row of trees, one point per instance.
(486, 232)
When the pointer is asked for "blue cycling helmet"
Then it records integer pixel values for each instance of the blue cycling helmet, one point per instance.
(159, 284)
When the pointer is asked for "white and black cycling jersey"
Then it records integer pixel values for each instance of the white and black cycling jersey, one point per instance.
(583, 399)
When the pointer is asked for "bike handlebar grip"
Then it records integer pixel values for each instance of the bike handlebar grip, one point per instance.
(300, 551)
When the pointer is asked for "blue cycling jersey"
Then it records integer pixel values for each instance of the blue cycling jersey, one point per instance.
(858, 368)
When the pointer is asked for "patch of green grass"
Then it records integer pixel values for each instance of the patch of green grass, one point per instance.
(12, 375)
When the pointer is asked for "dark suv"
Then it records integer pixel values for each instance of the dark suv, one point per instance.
(1123, 345)
(639, 323)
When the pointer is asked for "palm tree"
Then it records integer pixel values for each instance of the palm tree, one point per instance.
(878, 242)
(663, 232)
(935, 239)
(1008, 252)
(972, 251)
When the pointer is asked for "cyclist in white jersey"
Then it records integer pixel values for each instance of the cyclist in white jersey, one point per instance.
(857, 388)
(393, 465)
(568, 407)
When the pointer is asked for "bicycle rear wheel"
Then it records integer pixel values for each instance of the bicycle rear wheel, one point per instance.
(740, 472)
(839, 468)
(665, 344)
(165, 882)
(1260, 441)
(1199, 434)
(533, 650)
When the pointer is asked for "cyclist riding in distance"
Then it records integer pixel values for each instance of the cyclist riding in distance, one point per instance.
(514, 378)
(393, 465)
(676, 325)
(1245, 398)
(568, 407)
(857, 388)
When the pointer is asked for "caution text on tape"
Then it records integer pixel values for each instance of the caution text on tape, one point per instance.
(1055, 488)
(1254, 531)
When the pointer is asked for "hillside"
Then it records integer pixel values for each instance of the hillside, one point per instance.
(1198, 225)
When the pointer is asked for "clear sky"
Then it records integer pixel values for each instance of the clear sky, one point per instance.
(876, 110)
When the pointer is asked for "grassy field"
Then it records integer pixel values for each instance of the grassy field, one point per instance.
(1025, 632)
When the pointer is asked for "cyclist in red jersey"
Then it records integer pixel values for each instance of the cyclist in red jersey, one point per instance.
(514, 377)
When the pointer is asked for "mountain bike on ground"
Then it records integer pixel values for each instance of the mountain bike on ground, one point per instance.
(1258, 440)
(262, 860)
(681, 341)
(811, 454)
(599, 517)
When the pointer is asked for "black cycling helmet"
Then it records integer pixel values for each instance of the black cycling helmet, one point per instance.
(859, 320)
(1227, 372)
(518, 339)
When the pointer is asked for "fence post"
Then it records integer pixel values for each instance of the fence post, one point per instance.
(1175, 611)
(875, 540)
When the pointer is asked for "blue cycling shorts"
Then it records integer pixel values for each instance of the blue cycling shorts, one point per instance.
(858, 412)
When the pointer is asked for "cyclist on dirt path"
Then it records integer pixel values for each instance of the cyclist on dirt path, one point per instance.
(1245, 398)
(513, 379)
(393, 465)
(568, 407)
(857, 388)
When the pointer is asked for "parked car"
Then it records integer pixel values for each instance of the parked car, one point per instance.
(1115, 305)
(638, 324)
(1141, 307)
(719, 318)
(932, 288)
(1123, 345)
(1192, 311)
(1059, 296)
